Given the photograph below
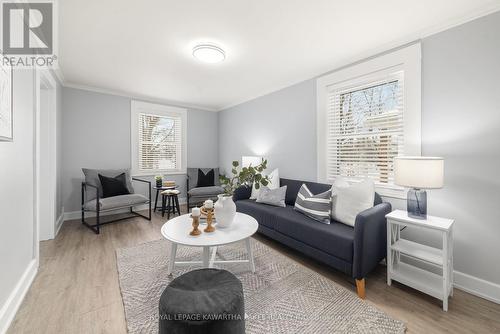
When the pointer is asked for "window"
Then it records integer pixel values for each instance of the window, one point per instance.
(367, 115)
(158, 139)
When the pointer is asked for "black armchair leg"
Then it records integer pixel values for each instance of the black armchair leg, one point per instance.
(97, 222)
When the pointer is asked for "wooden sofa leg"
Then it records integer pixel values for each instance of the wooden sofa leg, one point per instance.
(360, 287)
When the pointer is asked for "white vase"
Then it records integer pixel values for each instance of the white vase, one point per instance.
(225, 210)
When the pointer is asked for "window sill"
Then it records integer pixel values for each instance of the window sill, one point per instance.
(181, 172)
(391, 193)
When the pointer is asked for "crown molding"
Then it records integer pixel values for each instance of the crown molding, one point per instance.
(144, 98)
(386, 48)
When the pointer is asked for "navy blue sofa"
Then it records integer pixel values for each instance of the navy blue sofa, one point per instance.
(353, 250)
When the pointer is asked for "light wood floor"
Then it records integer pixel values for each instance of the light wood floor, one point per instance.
(76, 289)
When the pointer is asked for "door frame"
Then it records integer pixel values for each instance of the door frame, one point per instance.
(45, 171)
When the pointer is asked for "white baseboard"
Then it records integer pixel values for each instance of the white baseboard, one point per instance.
(9, 309)
(59, 223)
(477, 286)
(72, 215)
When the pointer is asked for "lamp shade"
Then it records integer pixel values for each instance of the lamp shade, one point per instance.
(419, 172)
(250, 160)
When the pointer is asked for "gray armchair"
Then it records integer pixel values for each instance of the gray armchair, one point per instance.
(197, 195)
(93, 201)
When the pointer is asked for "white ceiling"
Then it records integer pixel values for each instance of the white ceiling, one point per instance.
(143, 48)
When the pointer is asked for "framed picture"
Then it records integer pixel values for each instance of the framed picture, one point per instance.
(6, 113)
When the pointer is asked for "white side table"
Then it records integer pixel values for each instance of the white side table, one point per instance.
(438, 286)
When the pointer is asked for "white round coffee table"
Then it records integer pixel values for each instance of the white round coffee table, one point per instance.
(177, 231)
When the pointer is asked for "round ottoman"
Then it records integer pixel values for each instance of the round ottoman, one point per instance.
(203, 301)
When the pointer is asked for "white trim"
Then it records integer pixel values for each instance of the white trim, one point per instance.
(137, 97)
(76, 215)
(59, 224)
(137, 107)
(11, 305)
(407, 60)
(388, 47)
(477, 286)
(46, 147)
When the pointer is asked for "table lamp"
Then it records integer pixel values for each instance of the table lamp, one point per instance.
(418, 173)
(246, 161)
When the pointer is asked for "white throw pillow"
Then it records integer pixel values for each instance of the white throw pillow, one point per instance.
(349, 200)
(274, 183)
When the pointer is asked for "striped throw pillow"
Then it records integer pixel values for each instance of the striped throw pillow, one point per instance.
(318, 207)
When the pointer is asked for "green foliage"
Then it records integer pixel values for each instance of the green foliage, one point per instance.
(245, 176)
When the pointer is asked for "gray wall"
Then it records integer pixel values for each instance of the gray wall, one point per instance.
(460, 121)
(96, 134)
(280, 126)
(17, 192)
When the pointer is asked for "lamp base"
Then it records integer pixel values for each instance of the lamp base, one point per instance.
(416, 203)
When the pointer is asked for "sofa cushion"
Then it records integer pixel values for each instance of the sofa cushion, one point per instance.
(92, 178)
(293, 187)
(264, 214)
(317, 207)
(116, 202)
(336, 238)
(206, 191)
(351, 199)
(275, 197)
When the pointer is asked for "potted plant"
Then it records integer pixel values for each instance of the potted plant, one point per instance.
(225, 209)
(159, 181)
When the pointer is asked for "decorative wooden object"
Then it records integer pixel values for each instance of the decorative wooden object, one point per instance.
(209, 212)
(196, 223)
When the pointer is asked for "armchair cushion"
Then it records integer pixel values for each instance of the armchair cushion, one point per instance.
(205, 179)
(206, 191)
(92, 178)
(192, 175)
(113, 186)
(122, 201)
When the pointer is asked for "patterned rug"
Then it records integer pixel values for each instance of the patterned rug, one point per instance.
(281, 297)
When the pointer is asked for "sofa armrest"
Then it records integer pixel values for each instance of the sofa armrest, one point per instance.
(370, 239)
(243, 192)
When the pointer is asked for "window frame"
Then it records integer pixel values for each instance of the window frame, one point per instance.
(406, 60)
(138, 107)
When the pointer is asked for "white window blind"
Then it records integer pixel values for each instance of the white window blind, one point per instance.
(160, 142)
(158, 136)
(365, 130)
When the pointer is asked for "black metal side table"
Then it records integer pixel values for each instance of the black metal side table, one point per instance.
(158, 191)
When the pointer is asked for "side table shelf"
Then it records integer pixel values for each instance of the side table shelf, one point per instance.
(438, 286)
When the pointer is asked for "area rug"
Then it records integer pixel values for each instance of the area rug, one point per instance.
(282, 296)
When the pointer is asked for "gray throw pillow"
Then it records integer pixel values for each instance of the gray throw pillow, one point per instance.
(274, 197)
(318, 207)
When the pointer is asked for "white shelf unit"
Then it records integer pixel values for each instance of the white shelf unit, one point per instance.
(438, 286)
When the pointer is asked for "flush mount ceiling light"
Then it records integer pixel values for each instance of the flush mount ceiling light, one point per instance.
(209, 53)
